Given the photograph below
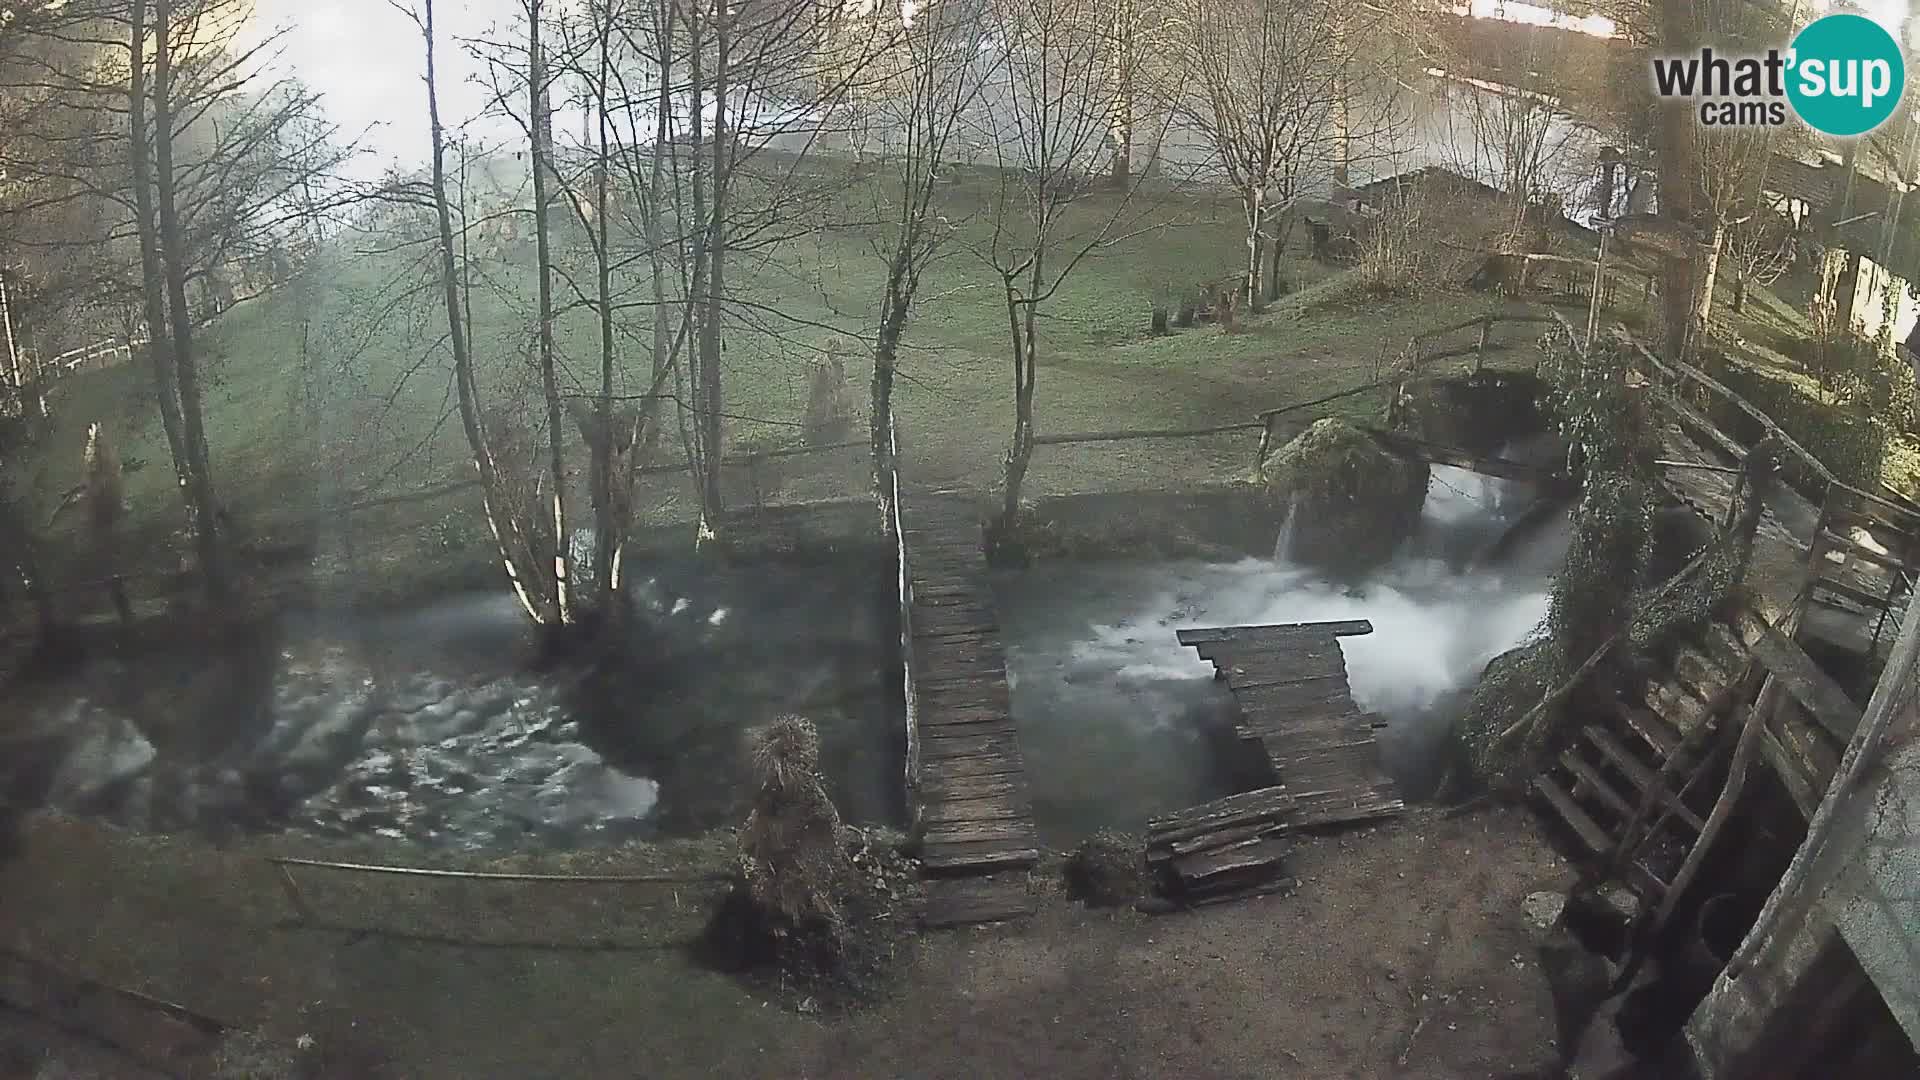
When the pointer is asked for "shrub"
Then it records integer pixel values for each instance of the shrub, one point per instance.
(1848, 440)
(787, 906)
(1108, 869)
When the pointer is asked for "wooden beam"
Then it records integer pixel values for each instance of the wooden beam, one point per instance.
(1438, 454)
(1150, 433)
(1674, 368)
(1809, 685)
(1203, 634)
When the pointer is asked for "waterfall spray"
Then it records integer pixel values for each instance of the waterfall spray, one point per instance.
(1283, 544)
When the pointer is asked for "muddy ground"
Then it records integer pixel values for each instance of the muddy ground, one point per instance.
(1404, 953)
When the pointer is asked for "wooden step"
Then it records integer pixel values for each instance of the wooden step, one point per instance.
(1637, 772)
(1659, 734)
(1809, 684)
(972, 901)
(1592, 837)
(1683, 712)
(1587, 778)
(1871, 600)
(1590, 834)
(978, 856)
(1267, 805)
(1235, 866)
(1700, 672)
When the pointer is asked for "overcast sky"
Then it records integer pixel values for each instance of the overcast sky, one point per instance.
(366, 59)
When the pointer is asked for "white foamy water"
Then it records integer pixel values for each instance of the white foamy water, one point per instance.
(430, 726)
(1115, 715)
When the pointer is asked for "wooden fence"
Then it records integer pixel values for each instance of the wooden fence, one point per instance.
(1420, 353)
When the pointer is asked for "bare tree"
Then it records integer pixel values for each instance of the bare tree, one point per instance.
(518, 544)
(1514, 138)
(930, 79)
(1047, 115)
(1760, 248)
(1266, 79)
(152, 121)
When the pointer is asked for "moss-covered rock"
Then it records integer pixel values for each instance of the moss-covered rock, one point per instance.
(1108, 869)
(1349, 501)
(1513, 683)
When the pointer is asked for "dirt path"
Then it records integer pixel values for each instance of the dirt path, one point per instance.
(1404, 953)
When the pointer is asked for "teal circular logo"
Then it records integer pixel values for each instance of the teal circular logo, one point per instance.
(1845, 75)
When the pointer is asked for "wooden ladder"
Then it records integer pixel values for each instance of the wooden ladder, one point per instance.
(1650, 751)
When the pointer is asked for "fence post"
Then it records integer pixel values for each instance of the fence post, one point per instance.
(1486, 338)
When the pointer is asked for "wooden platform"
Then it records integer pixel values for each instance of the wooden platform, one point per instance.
(970, 795)
(1222, 850)
(1290, 682)
(1850, 593)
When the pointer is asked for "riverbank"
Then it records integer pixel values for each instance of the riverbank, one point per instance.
(1403, 952)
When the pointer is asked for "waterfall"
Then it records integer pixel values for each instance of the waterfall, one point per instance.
(1283, 544)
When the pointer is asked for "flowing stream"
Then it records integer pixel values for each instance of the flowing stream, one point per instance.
(432, 725)
(1119, 722)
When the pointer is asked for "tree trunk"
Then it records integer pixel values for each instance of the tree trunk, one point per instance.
(152, 278)
(1023, 324)
(1707, 279)
(1152, 167)
(1275, 249)
(893, 322)
(1739, 292)
(703, 457)
(186, 367)
(663, 347)
(542, 130)
(1678, 164)
(609, 516)
(23, 552)
(1252, 199)
(1121, 131)
(710, 338)
(506, 534)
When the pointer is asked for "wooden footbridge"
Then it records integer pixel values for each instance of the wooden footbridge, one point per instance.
(967, 778)
(1296, 709)
(1290, 685)
(972, 814)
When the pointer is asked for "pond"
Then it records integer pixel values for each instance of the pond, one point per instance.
(1119, 722)
(434, 726)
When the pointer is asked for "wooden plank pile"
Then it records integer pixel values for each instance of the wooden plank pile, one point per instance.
(1223, 850)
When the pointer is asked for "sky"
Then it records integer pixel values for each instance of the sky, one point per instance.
(366, 59)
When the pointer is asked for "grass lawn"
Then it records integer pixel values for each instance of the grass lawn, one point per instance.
(338, 386)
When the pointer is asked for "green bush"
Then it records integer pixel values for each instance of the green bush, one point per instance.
(1849, 440)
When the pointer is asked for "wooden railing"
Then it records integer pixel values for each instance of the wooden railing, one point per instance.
(909, 695)
(1842, 504)
(1413, 358)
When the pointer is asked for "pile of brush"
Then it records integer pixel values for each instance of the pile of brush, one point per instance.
(787, 907)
